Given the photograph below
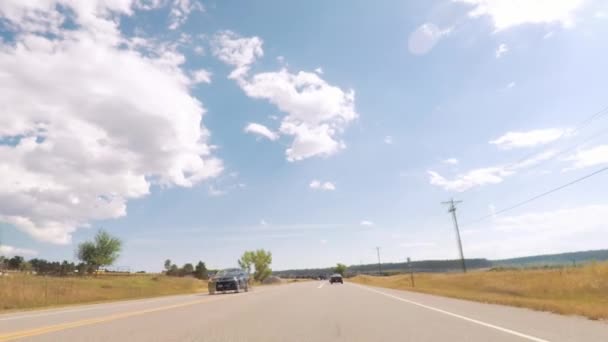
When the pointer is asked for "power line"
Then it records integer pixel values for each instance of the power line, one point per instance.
(539, 196)
(576, 129)
(513, 165)
(568, 149)
(587, 121)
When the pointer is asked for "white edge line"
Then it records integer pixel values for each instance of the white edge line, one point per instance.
(472, 320)
(321, 285)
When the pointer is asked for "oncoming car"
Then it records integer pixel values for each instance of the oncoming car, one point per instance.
(232, 279)
(336, 278)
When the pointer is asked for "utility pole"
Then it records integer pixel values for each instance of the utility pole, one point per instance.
(379, 263)
(452, 209)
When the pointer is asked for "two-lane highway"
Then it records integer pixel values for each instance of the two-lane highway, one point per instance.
(311, 311)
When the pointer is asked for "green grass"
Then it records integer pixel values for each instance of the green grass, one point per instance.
(571, 290)
(23, 291)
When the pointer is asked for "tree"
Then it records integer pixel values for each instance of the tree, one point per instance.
(173, 270)
(261, 260)
(246, 261)
(87, 253)
(188, 269)
(200, 271)
(66, 268)
(103, 251)
(340, 268)
(82, 268)
(15, 262)
(167, 265)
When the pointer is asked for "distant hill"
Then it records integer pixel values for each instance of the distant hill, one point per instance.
(554, 259)
(422, 266)
(455, 266)
(391, 268)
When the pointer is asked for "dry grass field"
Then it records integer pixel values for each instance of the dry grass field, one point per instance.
(22, 291)
(569, 290)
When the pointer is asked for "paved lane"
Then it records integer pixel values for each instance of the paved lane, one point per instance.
(311, 311)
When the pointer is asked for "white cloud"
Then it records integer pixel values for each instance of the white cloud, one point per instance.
(534, 160)
(424, 38)
(548, 35)
(473, 178)
(451, 161)
(484, 176)
(501, 50)
(591, 157)
(310, 141)
(532, 138)
(149, 4)
(261, 130)
(43, 16)
(388, 140)
(10, 251)
(107, 123)
(510, 85)
(224, 184)
(325, 186)
(214, 191)
(509, 13)
(315, 184)
(184, 39)
(181, 10)
(366, 223)
(199, 50)
(323, 241)
(237, 51)
(319, 71)
(316, 112)
(201, 76)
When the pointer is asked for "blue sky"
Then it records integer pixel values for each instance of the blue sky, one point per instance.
(195, 130)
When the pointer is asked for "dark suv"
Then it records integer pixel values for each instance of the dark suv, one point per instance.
(232, 279)
(336, 278)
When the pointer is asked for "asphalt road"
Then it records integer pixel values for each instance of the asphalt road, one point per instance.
(311, 311)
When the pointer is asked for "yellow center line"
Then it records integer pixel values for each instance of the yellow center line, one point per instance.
(58, 327)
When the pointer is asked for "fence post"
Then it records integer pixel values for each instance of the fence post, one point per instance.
(46, 290)
(409, 265)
